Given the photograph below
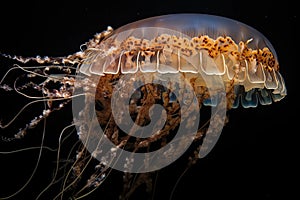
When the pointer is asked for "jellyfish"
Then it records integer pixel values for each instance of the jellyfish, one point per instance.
(141, 96)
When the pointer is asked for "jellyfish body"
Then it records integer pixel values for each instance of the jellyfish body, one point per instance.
(197, 44)
(181, 62)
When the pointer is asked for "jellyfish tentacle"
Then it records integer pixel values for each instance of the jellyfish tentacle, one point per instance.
(57, 162)
(34, 170)
(63, 93)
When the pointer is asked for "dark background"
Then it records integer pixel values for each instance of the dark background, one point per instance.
(255, 157)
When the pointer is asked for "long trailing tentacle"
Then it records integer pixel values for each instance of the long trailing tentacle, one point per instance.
(51, 70)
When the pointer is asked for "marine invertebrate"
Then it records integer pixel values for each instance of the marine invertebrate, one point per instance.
(137, 93)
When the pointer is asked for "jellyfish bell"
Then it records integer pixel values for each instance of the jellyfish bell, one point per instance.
(137, 92)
